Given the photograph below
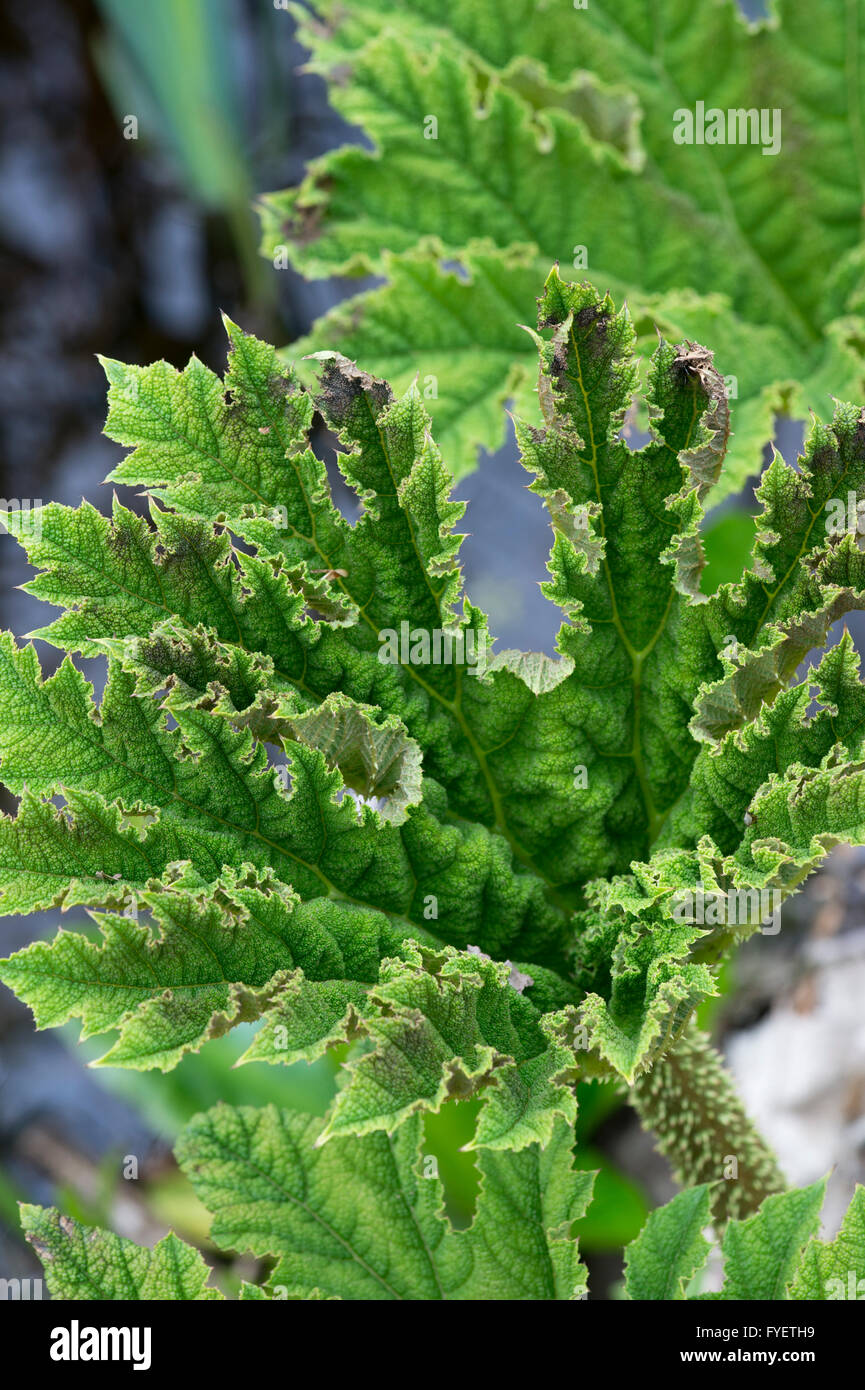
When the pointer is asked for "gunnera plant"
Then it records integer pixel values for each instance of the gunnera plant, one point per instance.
(313, 797)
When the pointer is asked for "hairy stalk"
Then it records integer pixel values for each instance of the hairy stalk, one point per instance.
(689, 1101)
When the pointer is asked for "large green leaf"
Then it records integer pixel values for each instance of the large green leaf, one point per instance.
(501, 784)
(357, 1219)
(772, 241)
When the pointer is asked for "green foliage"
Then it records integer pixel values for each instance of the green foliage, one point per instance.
(312, 797)
(774, 1255)
(360, 1219)
(356, 1218)
(83, 1262)
(557, 128)
(826, 1266)
(670, 1249)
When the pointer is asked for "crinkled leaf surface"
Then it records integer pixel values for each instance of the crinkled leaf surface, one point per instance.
(557, 128)
(212, 955)
(83, 1262)
(492, 908)
(761, 1254)
(313, 797)
(356, 1219)
(672, 706)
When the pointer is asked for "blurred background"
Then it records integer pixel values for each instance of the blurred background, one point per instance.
(135, 138)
